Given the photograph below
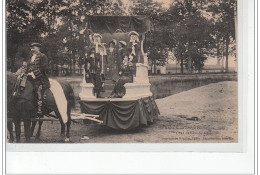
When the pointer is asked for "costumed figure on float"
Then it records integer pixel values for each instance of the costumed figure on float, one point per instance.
(125, 76)
(103, 53)
(135, 55)
(122, 50)
(111, 62)
(131, 103)
(93, 66)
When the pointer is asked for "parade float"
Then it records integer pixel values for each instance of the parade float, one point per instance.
(137, 106)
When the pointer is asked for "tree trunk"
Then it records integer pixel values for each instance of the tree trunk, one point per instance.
(181, 66)
(73, 64)
(227, 45)
(70, 66)
(199, 65)
(218, 52)
(222, 56)
(73, 61)
(154, 66)
(189, 58)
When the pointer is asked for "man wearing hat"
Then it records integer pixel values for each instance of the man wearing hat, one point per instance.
(37, 74)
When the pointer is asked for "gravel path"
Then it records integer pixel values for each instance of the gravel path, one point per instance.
(205, 114)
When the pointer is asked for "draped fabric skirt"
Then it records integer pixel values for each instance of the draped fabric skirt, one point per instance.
(123, 114)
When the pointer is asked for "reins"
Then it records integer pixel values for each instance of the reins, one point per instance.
(14, 94)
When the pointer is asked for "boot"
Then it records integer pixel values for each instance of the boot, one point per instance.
(39, 102)
(39, 111)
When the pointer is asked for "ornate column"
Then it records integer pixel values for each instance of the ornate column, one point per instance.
(140, 86)
(141, 73)
(142, 49)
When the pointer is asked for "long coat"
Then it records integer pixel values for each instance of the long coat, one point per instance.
(138, 57)
(111, 68)
(93, 69)
(121, 53)
(40, 68)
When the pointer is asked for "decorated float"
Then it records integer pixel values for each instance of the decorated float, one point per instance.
(135, 106)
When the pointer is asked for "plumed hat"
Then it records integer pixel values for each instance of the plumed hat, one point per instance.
(97, 35)
(123, 43)
(125, 54)
(133, 33)
(35, 44)
(113, 41)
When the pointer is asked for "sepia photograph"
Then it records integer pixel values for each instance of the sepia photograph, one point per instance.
(121, 71)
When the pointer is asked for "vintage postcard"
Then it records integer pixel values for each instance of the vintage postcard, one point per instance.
(90, 81)
(122, 71)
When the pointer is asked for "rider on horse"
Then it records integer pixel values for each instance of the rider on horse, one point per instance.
(37, 73)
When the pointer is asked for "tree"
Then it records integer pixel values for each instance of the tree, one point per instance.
(156, 41)
(192, 34)
(156, 48)
(61, 27)
(17, 19)
(74, 25)
(224, 30)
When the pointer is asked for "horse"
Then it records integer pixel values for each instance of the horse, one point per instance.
(24, 108)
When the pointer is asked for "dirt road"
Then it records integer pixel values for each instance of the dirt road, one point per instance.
(205, 114)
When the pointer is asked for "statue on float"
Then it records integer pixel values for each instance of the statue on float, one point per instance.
(135, 50)
(111, 61)
(93, 65)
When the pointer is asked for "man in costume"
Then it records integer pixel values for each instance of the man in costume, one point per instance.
(135, 55)
(122, 50)
(135, 50)
(111, 62)
(103, 53)
(93, 70)
(37, 74)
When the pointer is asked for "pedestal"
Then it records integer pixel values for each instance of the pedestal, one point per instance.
(145, 58)
(134, 90)
(141, 73)
(86, 91)
(141, 86)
